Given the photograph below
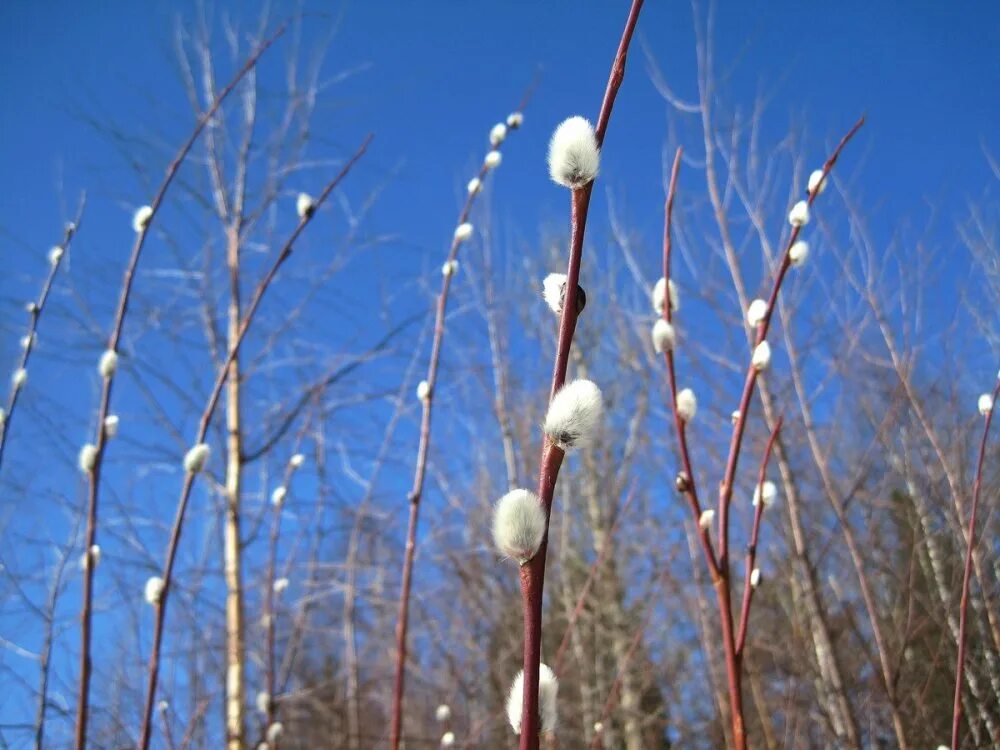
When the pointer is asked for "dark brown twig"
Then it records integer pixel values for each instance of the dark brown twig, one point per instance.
(203, 424)
(532, 574)
(956, 716)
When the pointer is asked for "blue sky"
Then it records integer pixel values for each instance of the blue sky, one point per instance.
(430, 78)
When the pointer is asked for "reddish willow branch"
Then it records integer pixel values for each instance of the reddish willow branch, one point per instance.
(748, 587)
(719, 566)
(532, 574)
(105, 402)
(591, 577)
(423, 448)
(956, 716)
(35, 309)
(203, 424)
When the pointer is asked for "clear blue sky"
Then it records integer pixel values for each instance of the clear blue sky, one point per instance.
(433, 76)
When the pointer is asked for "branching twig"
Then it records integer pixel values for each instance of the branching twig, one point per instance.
(203, 424)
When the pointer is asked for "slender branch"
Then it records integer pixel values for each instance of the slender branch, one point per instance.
(105, 401)
(748, 588)
(956, 716)
(532, 574)
(423, 448)
(203, 424)
(35, 309)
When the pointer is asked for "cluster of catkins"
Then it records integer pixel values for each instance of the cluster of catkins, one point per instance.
(520, 519)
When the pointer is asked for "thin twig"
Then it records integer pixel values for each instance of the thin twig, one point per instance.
(203, 424)
(956, 716)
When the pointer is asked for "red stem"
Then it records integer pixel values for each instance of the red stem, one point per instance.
(532, 574)
(956, 716)
(420, 470)
(203, 424)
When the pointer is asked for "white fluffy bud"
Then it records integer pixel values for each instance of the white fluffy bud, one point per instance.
(154, 590)
(553, 290)
(817, 182)
(985, 404)
(756, 312)
(768, 493)
(442, 712)
(87, 459)
(573, 415)
(304, 205)
(761, 358)
(687, 405)
(278, 496)
(755, 578)
(274, 732)
(515, 120)
(663, 336)
(474, 186)
(573, 154)
(492, 160)
(140, 219)
(108, 363)
(280, 585)
(19, 378)
(31, 307)
(498, 133)
(798, 253)
(448, 739)
(195, 458)
(463, 232)
(111, 425)
(93, 555)
(548, 692)
(263, 702)
(706, 518)
(799, 215)
(519, 525)
(423, 390)
(28, 340)
(55, 255)
(660, 296)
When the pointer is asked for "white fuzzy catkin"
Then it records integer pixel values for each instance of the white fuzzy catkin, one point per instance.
(153, 590)
(3, 416)
(87, 458)
(498, 133)
(548, 692)
(108, 363)
(985, 404)
(659, 296)
(141, 217)
(448, 739)
(706, 518)
(474, 186)
(304, 205)
(756, 312)
(55, 255)
(274, 732)
(799, 215)
(280, 585)
(263, 701)
(553, 291)
(278, 496)
(761, 358)
(297, 460)
(93, 555)
(798, 253)
(493, 159)
(755, 578)
(767, 492)
(31, 307)
(449, 268)
(423, 390)
(687, 405)
(28, 340)
(463, 232)
(515, 120)
(519, 525)
(573, 415)
(664, 336)
(442, 712)
(19, 378)
(817, 182)
(574, 157)
(195, 458)
(111, 425)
